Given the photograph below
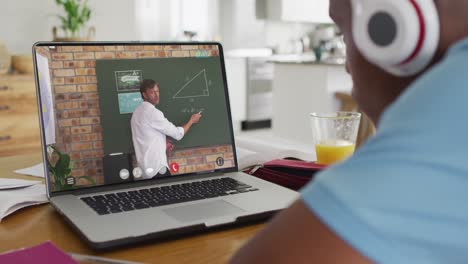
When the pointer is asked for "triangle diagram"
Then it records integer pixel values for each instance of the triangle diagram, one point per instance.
(197, 86)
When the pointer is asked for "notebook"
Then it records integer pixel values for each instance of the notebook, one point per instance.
(45, 251)
(138, 142)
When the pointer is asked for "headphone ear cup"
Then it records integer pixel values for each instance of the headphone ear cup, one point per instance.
(400, 36)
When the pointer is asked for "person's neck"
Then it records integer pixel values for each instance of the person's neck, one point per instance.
(389, 98)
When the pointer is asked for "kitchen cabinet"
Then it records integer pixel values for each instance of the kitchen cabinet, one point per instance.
(236, 72)
(19, 126)
(302, 88)
(250, 76)
(311, 11)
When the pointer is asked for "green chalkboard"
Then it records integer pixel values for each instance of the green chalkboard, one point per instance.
(187, 86)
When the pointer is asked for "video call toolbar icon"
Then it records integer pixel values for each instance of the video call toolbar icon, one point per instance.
(174, 167)
(220, 161)
(150, 172)
(124, 174)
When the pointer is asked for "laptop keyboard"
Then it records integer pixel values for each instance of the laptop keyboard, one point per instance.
(165, 195)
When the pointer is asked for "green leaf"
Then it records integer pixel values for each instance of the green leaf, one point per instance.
(62, 167)
(49, 165)
(64, 21)
(85, 12)
(77, 14)
(58, 186)
(71, 8)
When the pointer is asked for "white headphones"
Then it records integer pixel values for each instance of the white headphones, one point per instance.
(399, 36)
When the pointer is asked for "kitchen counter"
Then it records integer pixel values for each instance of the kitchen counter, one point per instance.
(307, 58)
(302, 58)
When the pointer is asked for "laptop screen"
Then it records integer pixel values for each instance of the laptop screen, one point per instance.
(115, 113)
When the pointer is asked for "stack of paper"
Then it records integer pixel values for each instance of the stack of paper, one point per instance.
(16, 194)
(36, 170)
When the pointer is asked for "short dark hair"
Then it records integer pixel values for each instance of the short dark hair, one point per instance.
(147, 84)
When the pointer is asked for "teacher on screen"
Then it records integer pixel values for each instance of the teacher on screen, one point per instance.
(149, 131)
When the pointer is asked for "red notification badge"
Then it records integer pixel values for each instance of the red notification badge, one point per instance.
(174, 167)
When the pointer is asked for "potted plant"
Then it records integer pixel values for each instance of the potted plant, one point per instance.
(61, 170)
(77, 14)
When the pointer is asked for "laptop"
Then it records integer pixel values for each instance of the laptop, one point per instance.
(112, 187)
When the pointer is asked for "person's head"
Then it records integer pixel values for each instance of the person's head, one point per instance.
(373, 87)
(149, 90)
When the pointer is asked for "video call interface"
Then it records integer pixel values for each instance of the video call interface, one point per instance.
(90, 93)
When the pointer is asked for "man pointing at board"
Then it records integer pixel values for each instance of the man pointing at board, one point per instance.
(149, 131)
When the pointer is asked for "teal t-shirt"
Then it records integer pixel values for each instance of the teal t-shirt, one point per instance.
(403, 196)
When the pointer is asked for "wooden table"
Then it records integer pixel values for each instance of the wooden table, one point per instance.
(34, 225)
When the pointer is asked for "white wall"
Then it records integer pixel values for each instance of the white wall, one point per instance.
(24, 22)
(238, 26)
(114, 19)
(167, 19)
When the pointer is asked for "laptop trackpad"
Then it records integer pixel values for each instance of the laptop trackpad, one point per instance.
(193, 212)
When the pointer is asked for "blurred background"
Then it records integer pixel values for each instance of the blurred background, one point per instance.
(276, 24)
(278, 53)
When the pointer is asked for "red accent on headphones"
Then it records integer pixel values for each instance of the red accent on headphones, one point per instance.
(422, 34)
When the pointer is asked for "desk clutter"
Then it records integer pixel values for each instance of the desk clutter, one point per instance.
(290, 173)
(16, 194)
(277, 161)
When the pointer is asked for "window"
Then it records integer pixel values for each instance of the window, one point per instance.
(168, 19)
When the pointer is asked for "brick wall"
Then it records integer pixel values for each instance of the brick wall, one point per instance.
(199, 159)
(76, 99)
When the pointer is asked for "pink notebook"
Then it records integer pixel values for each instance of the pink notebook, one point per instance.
(43, 253)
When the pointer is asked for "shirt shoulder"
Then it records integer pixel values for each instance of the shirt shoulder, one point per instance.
(148, 110)
(441, 88)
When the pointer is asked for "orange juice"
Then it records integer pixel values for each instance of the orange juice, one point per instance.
(331, 151)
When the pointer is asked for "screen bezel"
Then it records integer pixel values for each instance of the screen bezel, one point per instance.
(152, 181)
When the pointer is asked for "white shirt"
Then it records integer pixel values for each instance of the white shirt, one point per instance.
(149, 130)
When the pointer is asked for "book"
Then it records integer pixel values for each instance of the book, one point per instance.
(48, 253)
(24, 193)
(43, 253)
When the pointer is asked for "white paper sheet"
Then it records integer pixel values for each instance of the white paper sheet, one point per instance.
(36, 170)
(14, 199)
(15, 183)
(254, 151)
